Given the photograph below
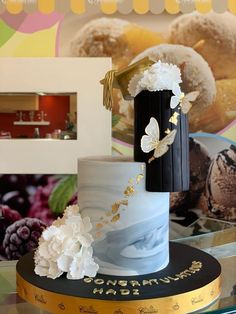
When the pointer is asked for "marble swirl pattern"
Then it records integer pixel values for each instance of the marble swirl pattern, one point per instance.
(137, 242)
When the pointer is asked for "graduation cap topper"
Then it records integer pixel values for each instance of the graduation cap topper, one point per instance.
(120, 80)
(160, 125)
(151, 75)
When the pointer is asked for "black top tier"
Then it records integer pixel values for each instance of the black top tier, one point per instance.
(170, 172)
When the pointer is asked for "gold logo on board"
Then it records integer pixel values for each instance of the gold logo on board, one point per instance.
(148, 310)
(87, 310)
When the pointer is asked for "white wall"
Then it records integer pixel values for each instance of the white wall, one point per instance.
(57, 75)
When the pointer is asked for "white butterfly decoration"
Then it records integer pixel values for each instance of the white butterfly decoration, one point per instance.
(151, 141)
(182, 99)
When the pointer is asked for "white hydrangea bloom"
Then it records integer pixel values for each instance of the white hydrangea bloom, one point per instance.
(159, 76)
(65, 246)
(83, 265)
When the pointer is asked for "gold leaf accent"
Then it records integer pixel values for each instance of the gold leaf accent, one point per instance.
(129, 190)
(115, 218)
(174, 118)
(115, 207)
(139, 178)
(98, 234)
(131, 181)
(124, 202)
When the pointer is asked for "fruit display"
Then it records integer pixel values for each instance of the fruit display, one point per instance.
(28, 203)
(22, 237)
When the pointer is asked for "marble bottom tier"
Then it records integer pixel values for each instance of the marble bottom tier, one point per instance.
(190, 282)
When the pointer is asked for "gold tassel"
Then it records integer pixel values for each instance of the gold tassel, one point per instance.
(107, 91)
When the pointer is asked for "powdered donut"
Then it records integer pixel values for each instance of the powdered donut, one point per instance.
(218, 31)
(103, 37)
(196, 74)
(113, 37)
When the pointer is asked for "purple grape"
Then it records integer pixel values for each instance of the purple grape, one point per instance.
(22, 237)
(12, 182)
(37, 179)
(7, 217)
(17, 200)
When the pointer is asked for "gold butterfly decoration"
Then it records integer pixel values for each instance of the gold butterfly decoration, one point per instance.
(183, 99)
(151, 140)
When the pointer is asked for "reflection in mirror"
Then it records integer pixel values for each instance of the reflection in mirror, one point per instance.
(38, 115)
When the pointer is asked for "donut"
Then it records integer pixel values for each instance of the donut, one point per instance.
(196, 75)
(222, 111)
(103, 37)
(213, 35)
(113, 37)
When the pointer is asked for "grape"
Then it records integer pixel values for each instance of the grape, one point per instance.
(22, 237)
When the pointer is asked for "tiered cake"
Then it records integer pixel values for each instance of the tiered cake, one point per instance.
(130, 225)
(117, 245)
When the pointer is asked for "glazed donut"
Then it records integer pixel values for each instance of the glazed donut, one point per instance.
(216, 34)
(196, 74)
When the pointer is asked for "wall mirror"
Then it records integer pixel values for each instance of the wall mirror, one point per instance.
(51, 113)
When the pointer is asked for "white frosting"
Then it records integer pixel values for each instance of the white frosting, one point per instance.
(159, 76)
(137, 242)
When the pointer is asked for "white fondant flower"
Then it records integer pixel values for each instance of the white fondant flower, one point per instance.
(46, 267)
(66, 247)
(159, 76)
(83, 265)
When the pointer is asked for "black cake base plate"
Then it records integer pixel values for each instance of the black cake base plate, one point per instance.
(190, 282)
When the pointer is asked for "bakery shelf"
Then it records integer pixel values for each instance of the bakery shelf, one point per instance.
(31, 122)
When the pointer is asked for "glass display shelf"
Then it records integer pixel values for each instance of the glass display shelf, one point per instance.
(214, 237)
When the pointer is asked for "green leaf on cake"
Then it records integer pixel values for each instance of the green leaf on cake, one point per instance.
(62, 193)
(115, 119)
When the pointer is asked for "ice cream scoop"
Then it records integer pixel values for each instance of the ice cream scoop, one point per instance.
(219, 200)
(199, 165)
(214, 37)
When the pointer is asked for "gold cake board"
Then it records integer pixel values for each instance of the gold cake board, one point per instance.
(57, 303)
(56, 296)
